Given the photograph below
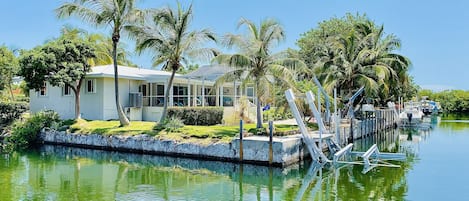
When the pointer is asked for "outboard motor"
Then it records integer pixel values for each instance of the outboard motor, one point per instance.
(409, 117)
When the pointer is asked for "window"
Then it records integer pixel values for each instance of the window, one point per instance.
(91, 86)
(67, 90)
(43, 90)
(153, 94)
(143, 89)
(209, 94)
(180, 95)
(250, 91)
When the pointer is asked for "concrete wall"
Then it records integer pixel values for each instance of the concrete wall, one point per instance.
(286, 150)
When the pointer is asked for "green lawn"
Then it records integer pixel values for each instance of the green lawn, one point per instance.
(197, 134)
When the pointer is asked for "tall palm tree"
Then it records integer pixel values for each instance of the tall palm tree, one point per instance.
(255, 64)
(167, 34)
(113, 13)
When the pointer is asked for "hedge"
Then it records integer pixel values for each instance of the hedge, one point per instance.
(197, 115)
(11, 111)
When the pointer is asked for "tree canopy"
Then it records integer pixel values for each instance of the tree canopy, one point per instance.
(62, 62)
(256, 64)
(8, 68)
(350, 52)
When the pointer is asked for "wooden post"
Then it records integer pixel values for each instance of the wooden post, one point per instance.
(271, 133)
(241, 140)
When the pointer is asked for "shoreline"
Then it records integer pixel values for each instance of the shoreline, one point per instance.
(286, 150)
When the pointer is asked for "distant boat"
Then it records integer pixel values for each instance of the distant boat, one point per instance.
(429, 107)
(412, 114)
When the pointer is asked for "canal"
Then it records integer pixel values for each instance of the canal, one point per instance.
(436, 169)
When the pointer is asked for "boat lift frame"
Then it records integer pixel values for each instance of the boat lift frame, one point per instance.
(371, 158)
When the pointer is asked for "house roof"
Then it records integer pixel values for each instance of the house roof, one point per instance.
(128, 72)
(209, 72)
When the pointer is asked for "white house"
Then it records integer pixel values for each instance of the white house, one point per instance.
(141, 93)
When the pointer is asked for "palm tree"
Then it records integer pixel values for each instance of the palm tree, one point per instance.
(167, 34)
(255, 64)
(363, 57)
(102, 45)
(115, 13)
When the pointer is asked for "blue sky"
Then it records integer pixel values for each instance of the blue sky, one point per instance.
(434, 34)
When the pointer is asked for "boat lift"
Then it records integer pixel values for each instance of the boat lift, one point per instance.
(327, 115)
(371, 158)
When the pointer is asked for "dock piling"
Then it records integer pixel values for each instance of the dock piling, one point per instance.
(241, 140)
(271, 133)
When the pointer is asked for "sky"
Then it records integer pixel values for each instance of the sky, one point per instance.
(434, 34)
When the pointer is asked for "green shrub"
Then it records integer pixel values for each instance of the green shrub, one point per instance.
(197, 115)
(276, 114)
(173, 124)
(24, 133)
(11, 111)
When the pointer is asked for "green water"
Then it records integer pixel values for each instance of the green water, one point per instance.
(436, 169)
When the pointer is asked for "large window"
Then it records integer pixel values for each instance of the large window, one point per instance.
(180, 95)
(153, 94)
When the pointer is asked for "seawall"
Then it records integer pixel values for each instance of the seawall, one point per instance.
(286, 150)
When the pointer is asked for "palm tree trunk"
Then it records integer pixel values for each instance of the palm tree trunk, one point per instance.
(122, 118)
(166, 98)
(258, 107)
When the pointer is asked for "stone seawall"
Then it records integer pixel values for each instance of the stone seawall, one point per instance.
(286, 150)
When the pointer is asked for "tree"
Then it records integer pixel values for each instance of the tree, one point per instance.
(114, 13)
(8, 69)
(255, 64)
(62, 62)
(359, 54)
(167, 34)
(102, 45)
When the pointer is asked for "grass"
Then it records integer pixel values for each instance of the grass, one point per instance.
(194, 134)
(112, 128)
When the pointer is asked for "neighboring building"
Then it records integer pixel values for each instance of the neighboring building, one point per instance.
(141, 93)
(17, 80)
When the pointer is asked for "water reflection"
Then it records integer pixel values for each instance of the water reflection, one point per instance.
(63, 173)
(347, 182)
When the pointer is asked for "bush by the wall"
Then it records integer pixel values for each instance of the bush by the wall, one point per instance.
(11, 111)
(197, 115)
(25, 132)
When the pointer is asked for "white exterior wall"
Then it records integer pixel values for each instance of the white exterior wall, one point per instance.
(54, 100)
(125, 87)
(91, 104)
